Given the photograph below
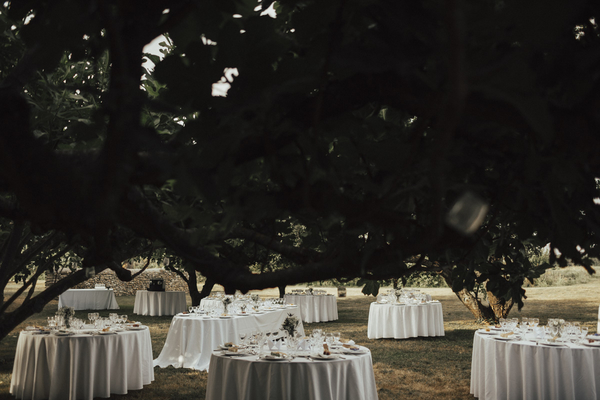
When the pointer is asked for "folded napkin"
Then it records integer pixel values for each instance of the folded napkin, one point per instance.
(274, 345)
(507, 334)
(303, 345)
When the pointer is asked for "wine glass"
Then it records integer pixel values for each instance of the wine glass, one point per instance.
(584, 333)
(336, 337)
(243, 336)
(503, 323)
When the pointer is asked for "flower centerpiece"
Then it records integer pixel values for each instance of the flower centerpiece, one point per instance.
(66, 313)
(398, 294)
(290, 324)
(226, 302)
(310, 290)
(254, 297)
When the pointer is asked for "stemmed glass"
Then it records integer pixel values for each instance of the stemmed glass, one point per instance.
(336, 337)
(584, 333)
(503, 324)
(243, 338)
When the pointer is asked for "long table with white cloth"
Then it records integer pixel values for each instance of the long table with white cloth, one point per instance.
(249, 378)
(504, 368)
(158, 303)
(81, 366)
(315, 308)
(89, 299)
(192, 337)
(402, 321)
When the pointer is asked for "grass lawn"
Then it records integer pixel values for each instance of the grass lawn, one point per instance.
(421, 368)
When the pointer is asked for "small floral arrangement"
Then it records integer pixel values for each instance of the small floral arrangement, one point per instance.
(398, 293)
(290, 324)
(310, 290)
(254, 297)
(66, 312)
(226, 301)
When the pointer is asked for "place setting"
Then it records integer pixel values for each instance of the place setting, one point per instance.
(302, 361)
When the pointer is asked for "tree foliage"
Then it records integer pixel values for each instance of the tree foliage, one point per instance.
(365, 122)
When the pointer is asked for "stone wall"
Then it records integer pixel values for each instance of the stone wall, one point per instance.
(109, 278)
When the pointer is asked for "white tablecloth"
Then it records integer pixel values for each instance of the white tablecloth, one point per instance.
(159, 303)
(206, 302)
(89, 299)
(405, 321)
(191, 339)
(81, 366)
(315, 308)
(523, 370)
(247, 378)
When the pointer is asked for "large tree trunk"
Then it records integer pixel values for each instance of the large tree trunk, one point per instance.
(192, 283)
(495, 309)
(206, 289)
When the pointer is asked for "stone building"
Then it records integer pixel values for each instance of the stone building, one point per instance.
(110, 280)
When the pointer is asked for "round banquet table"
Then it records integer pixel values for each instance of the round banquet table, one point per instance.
(250, 378)
(315, 308)
(156, 303)
(89, 299)
(525, 370)
(192, 337)
(81, 366)
(401, 321)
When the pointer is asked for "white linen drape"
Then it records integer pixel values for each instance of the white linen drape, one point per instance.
(191, 339)
(405, 321)
(247, 378)
(525, 370)
(159, 303)
(81, 366)
(315, 308)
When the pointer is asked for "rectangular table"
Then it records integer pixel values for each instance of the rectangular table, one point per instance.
(157, 303)
(89, 299)
(193, 337)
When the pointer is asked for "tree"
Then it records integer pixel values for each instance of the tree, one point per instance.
(367, 122)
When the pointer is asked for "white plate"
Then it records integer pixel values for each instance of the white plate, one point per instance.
(63, 333)
(107, 333)
(593, 344)
(545, 343)
(223, 347)
(359, 351)
(506, 338)
(593, 337)
(183, 315)
(225, 316)
(324, 357)
(236, 353)
(484, 332)
(273, 358)
(135, 328)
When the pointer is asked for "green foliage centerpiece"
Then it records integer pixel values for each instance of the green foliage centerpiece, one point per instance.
(290, 325)
(226, 302)
(66, 313)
